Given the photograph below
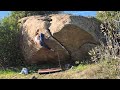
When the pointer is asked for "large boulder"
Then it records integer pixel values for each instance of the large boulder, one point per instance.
(77, 34)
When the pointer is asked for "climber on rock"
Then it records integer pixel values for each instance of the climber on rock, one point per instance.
(39, 39)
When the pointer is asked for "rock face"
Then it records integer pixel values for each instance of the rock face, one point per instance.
(77, 34)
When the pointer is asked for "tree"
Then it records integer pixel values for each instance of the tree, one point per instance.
(20, 14)
(108, 15)
(111, 30)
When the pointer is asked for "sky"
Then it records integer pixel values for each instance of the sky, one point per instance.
(4, 14)
(82, 13)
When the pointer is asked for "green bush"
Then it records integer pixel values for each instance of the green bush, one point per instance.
(110, 49)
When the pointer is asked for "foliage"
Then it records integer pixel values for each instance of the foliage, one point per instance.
(108, 15)
(110, 49)
(9, 44)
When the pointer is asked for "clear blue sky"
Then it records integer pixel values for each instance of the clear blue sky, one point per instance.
(83, 13)
(4, 13)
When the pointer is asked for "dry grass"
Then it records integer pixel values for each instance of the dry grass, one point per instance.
(102, 70)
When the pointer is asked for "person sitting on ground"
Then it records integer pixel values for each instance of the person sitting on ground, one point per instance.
(24, 71)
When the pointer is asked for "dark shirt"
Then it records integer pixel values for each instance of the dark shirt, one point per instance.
(42, 43)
